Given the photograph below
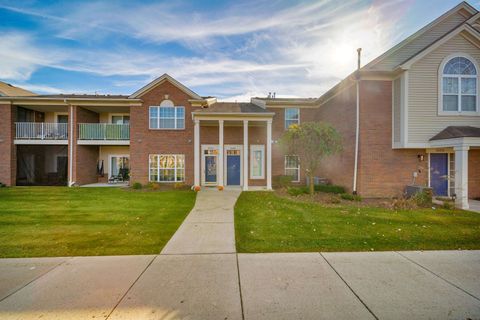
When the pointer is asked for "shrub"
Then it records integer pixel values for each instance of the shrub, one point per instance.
(329, 188)
(154, 186)
(350, 197)
(137, 186)
(334, 199)
(448, 205)
(423, 199)
(296, 191)
(2, 185)
(180, 186)
(282, 181)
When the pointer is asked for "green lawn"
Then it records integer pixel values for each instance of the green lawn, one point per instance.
(60, 221)
(265, 222)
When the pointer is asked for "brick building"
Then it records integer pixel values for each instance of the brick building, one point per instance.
(411, 116)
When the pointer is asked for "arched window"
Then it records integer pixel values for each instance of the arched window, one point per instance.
(459, 85)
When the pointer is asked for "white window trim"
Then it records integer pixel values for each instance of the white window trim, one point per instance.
(110, 156)
(285, 116)
(111, 115)
(158, 168)
(298, 167)
(440, 110)
(158, 118)
(253, 148)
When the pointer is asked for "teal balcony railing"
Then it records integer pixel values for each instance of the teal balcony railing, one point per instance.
(103, 131)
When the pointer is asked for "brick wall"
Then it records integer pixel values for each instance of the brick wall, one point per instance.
(340, 112)
(85, 157)
(278, 128)
(7, 154)
(383, 171)
(474, 173)
(144, 141)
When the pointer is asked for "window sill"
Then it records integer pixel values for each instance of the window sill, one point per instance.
(257, 178)
(166, 129)
(459, 114)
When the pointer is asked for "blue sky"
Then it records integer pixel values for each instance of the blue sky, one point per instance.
(229, 49)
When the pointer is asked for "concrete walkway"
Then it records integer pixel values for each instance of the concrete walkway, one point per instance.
(198, 275)
(209, 226)
(474, 205)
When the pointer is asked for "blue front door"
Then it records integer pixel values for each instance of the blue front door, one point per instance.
(210, 169)
(233, 170)
(439, 173)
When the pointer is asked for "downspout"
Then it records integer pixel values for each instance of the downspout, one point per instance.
(70, 179)
(357, 126)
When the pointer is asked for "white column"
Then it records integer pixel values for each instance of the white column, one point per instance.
(220, 153)
(245, 155)
(196, 153)
(461, 176)
(269, 154)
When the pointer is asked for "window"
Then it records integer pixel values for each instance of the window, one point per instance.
(166, 167)
(292, 167)
(257, 165)
(167, 117)
(120, 119)
(459, 86)
(292, 116)
(119, 166)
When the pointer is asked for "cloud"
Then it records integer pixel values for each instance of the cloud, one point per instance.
(249, 47)
(19, 57)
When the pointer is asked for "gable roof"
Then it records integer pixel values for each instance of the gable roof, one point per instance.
(160, 80)
(423, 38)
(6, 89)
(457, 132)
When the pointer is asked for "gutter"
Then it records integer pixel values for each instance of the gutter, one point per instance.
(357, 125)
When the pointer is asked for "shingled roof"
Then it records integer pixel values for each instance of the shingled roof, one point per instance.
(234, 107)
(457, 132)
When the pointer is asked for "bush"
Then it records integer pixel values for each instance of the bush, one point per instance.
(180, 186)
(282, 181)
(350, 197)
(329, 188)
(2, 185)
(137, 186)
(423, 199)
(448, 205)
(296, 191)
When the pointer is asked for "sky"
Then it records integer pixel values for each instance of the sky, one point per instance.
(229, 49)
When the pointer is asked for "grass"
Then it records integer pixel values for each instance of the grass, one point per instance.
(60, 221)
(265, 222)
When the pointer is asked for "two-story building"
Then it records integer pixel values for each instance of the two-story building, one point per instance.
(412, 115)
(164, 132)
(409, 117)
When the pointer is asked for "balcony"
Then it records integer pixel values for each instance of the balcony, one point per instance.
(41, 133)
(103, 133)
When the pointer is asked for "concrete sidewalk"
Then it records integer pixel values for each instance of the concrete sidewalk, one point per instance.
(382, 285)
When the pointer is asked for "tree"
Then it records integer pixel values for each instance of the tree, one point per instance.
(311, 142)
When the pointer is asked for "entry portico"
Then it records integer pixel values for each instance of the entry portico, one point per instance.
(233, 159)
(463, 139)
